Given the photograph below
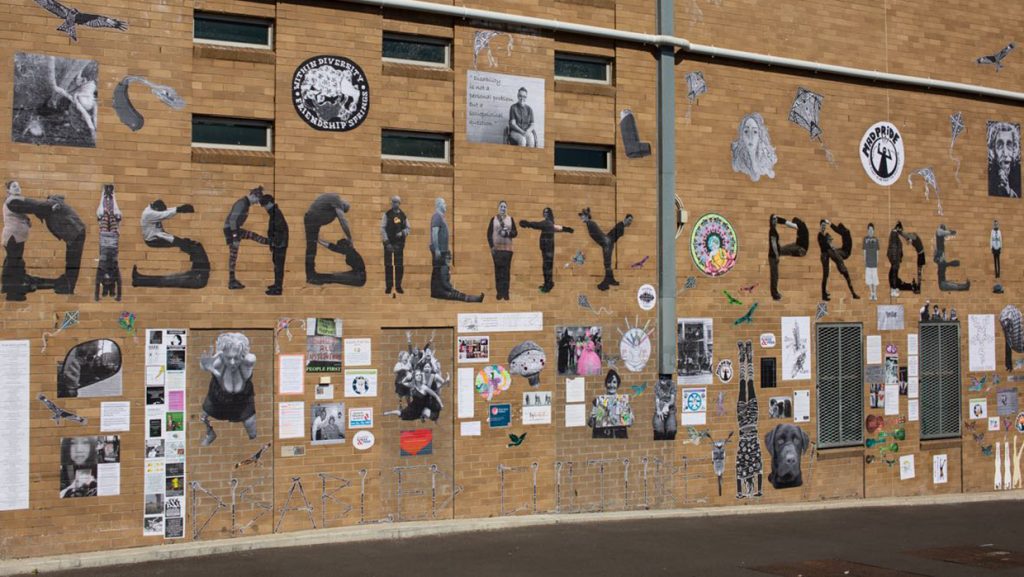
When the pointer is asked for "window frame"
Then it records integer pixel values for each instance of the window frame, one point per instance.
(423, 39)
(856, 383)
(233, 18)
(952, 382)
(266, 124)
(607, 61)
(446, 138)
(609, 154)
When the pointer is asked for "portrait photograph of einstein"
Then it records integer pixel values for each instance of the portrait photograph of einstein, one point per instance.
(1003, 159)
(55, 100)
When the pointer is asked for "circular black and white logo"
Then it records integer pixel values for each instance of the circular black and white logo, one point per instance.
(331, 93)
(646, 297)
(881, 153)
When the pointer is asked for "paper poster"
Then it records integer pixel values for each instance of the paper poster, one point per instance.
(14, 424)
(499, 415)
(327, 423)
(978, 408)
(537, 408)
(165, 430)
(913, 366)
(500, 322)
(504, 109)
(115, 417)
(695, 348)
(90, 369)
(611, 411)
(913, 387)
(802, 406)
(323, 345)
(476, 349)
(466, 393)
(694, 405)
(796, 348)
(874, 350)
(324, 391)
(912, 343)
(892, 399)
(874, 374)
(892, 371)
(940, 472)
(576, 415)
(360, 418)
(108, 479)
(290, 374)
(361, 383)
(575, 390)
(981, 333)
(913, 410)
(469, 428)
(290, 420)
(358, 352)
(81, 459)
(890, 317)
(906, 467)
(1006, 402)
(993, 423)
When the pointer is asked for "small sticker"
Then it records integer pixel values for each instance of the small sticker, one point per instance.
(767, 341)
(724, 370)
(646, 297)
(363, 440)
(881, 153)
(293, 451)
(993, 423)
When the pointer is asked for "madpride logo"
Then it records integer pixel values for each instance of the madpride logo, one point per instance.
(363, 440)
(881, 153)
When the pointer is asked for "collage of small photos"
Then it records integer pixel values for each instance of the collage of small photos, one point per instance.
(164, 505)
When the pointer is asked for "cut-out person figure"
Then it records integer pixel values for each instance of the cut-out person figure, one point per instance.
(838, 256)
(776, 250)
(665, 409)
(65, 224)
(322, 211)
(234, 233)
(915, 241)
(356, 275)
(441, 257)
(611, 386)
(941, 234)
(16, 282)
(394, 229)
(500, 231)
(607, 243)
(521, 128)
(894, 253)
(749, 464)
(996, 244)
(547, 228)
(231, 395)
(108, 271)
(277, 238)
(154, 235)
(871, 261)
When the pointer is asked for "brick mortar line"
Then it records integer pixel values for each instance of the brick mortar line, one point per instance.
(355, 534)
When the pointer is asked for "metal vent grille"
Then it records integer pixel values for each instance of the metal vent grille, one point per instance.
(840, 365)
(940, 380)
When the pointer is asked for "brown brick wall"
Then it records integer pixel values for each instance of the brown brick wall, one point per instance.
(158, 162)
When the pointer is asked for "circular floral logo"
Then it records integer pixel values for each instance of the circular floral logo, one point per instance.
(713, 245)
(331, 93)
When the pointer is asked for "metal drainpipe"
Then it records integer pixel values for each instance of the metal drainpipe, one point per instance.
(666, 155)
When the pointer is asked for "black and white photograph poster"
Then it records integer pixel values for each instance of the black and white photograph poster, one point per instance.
(91, 369)
(1003, 159)
(328, 426)
(504, 109)
(55, 100)
(695, 359)
(90, 466)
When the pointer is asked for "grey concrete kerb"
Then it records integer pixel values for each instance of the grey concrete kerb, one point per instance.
(352, 534)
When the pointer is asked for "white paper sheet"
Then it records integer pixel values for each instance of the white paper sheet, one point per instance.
(892, 400)
(796, 348)
(940, 469)
(575, 390)
(981, 335)
(912, 344)
(993, 423)
(576, 415)
(500, 322)
(115, 416)
(358, 352)
(802, 406)
(466, 398)
(537, 415)
(291, 374)
(324, 392)
(913, 387)
(14, 424)
(361, 382)
(108, 479)
(874, 352)
(913, 366)
(291, 420)
(469, 428)
(913, 410)
(906, 467)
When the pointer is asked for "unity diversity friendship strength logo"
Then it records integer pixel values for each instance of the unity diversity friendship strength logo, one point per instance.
(881, 153)
(331, 93)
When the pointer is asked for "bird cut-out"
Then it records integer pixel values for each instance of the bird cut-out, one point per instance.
(695, 436)
(516, 440)
(995, 59)
(60, 415)
(749, 289)
(639, 389)
(255, 459)
(640, 263)
(732, 300)
(73, 18)
(747, 318)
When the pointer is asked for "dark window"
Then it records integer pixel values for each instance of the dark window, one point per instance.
(416, 49)
(940, 379)
(223, 132)
(840, 365)
(233, 30)
(579, 67)
(415, 145)
(582, 157)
